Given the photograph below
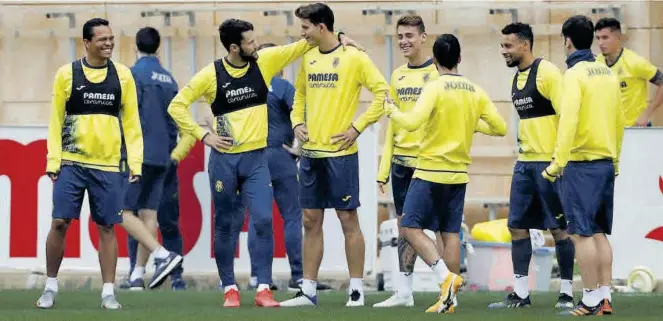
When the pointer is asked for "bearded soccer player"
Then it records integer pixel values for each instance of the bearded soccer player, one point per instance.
(236, 87)
(589, 138)
(634, 73)
(450, 110)
(326, 97)
(158, 187)
(399, 155)
(84, 139)
(534, 201)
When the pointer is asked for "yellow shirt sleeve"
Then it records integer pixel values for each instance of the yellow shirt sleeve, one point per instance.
(568, 122)
(492, 122)
(644, 69)
(549, 83)
(183, 147)
(415, 118)
(387, 154)
(371, 78)
(133, 134)
(58, 102)
(297, 116)
(272, 60)
(202, 84)
(621, 123)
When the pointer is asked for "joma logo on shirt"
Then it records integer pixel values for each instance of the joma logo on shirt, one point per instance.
(601, 71)
(98, 96)
(458, 85)
(162, 77)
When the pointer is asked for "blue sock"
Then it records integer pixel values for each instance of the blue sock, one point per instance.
(521, 254)
(565, 255)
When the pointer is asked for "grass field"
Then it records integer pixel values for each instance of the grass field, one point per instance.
(202, 306)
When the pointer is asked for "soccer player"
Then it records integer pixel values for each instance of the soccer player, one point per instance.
(589, 137)
(156, 88)
(236, 87)
(282, 153)
(399, 155)
(534, 201)
(634, 72)
(89, 97)
(450, 110)
(327, 93)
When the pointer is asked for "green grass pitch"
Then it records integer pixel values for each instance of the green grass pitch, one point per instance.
(16, 305)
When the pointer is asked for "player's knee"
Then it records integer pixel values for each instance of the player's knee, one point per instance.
(349, 222)
(518, 234)
(262, 224)
(559, 234)
(450, 239)
(106, 231)
(60, 224)
(312, 221)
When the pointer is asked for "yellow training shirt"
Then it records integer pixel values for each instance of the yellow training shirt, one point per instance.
(591, 124)
(327, 94)
(634, 73)
(91, 136)
(449, 110)
(248, 127)
(537, 101)
(402, 146)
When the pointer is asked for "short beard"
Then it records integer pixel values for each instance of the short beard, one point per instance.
(514, 63)
(245, 56)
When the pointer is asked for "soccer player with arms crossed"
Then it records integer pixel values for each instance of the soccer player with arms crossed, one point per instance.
(327, 93)
(236, 87)
(634, 73)
(401, 147)
(586, 160)
(450, 109)
(84, 141)
(534, 201)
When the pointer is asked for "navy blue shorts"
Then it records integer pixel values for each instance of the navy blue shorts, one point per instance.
(428, 204)
(587, 190)
(401, 176)
(534, 201)
(104, 193)
(330, 182)
(146, 193)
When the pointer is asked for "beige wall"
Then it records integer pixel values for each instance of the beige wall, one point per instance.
(29, 60)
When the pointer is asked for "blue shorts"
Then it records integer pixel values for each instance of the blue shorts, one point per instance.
(146, 193)
(534, 201)
(104, 193)
(428, 204)
(587, 190)
(401, 176)
(330, 182)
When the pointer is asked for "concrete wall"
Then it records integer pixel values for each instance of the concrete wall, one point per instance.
(30, 59)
